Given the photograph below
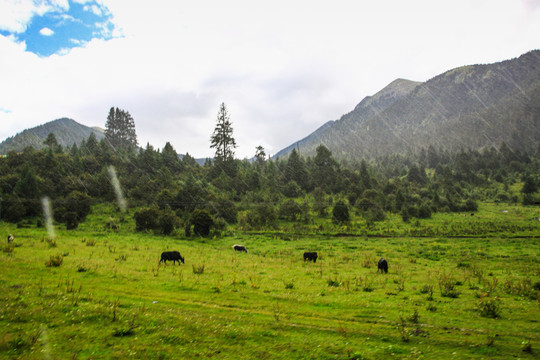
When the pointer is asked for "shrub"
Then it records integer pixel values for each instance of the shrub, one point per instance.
(226, 210)
(168, 221)
(447, 285)
(71, 220)
(202, 221)
(290, 210)
(73, 209)
(333, 282)
(340, 213)
(489, 307)
(199, 269)
(54, 261)
(376, 213)
(146, 219)
(291, 189)
(470, 205)
(13, 210)
(424, 212)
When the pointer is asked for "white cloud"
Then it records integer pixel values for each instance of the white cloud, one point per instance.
(46, 32)
(283, 68)
(15, 15)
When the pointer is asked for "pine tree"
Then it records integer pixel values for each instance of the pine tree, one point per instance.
(120, 130)
(260, 155)
(222, 139)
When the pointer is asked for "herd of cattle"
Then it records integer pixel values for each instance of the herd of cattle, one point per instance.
(174, 256)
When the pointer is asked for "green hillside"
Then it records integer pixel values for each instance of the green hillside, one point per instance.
(471, 107)
(66, 131)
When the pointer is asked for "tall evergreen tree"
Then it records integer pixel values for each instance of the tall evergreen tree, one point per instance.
(120, 130)
(325, 169)
(260, 155)
(295, 170)
(222, 139)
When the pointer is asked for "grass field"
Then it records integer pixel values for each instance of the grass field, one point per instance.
(458, 286)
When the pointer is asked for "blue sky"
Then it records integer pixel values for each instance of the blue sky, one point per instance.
(60, 29)
(282, 67)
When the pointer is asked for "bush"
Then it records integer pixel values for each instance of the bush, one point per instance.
(73, 209)
(13, 210)
(168, 221)
(54, 261)
(202, 221)
(290, 210)
(226, 210)
(470, 205)
(146, 219)
(291, 190)
(263, 215)
(340, 213)
(424, 212)
(489, 307)
(71, 220)
(375, 214)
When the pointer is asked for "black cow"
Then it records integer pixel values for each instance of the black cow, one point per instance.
(311, 256)
(10, 239)
(240, 248)
(171, 256)
(382, 265)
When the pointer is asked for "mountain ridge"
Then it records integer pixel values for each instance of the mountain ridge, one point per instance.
(473, 106)
(67, 132)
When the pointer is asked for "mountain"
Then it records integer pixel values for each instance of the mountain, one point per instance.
(470, 107)
(66, 131)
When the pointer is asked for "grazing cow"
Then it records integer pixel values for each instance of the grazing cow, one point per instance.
(382, 265)
(10, 239)
(171, 256)
(240, 248)
(310, 256)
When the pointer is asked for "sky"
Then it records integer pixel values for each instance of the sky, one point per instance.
(282, 68)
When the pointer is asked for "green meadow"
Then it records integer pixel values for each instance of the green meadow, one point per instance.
(458, 286)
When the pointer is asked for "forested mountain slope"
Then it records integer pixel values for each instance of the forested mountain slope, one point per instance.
(66, 131)
(469, 107)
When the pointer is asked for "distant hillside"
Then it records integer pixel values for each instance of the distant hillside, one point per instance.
(469, 107)
(66, 131)
(369, 107)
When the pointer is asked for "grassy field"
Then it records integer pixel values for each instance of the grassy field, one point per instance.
(459, 286)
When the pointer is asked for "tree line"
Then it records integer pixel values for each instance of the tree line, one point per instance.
(170, 193)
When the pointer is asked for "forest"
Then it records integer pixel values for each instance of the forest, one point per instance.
(176, 195)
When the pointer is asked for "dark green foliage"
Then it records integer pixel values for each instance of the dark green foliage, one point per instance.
(120, 130)
(340, 213)
(224, 209)
(73, 209)
(291, 189)
(168, 221)
(13, 209)
(376, 213)
(325, 169)
(146, 219)
(295, 170)
(71, 220)
(222, 139)
(201, 221)
(255, 193)
(424, 212)
(263, 215)
(290, 210)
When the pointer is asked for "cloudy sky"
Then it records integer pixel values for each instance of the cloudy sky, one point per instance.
(283, 68)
